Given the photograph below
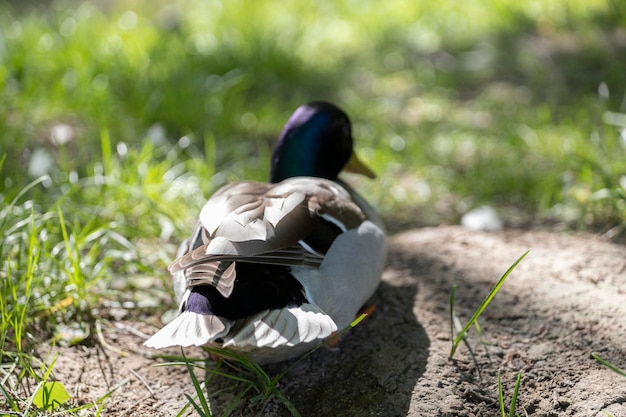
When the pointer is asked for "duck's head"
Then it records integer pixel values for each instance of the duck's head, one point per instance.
(316, 142)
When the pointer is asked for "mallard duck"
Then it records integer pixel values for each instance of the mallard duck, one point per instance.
(274, 268)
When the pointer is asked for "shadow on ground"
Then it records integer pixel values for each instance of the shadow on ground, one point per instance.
(372, 372)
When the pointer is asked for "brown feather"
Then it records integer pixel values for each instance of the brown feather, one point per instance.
(265, 223)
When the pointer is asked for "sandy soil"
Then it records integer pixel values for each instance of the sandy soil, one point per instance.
(566, 300)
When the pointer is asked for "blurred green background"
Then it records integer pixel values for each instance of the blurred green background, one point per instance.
(455, 104)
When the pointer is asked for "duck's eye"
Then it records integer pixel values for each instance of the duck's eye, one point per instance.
(345, 130)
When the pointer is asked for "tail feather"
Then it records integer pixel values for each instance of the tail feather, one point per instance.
(190, 329)
(287, 326)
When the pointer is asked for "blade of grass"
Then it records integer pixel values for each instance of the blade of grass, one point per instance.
(105, 148)
(513, 398)
(458, 327)
(515, 392)
(609, 365)
(20, 194)
(9, 400)
(288, 404)
(205, 411)
(452, 316)
(183, 410)
(484, 304)
(501, 394)
(195, 405)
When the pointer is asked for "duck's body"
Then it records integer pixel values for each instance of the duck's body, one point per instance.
(273, 268)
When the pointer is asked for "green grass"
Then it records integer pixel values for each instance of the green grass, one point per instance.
(608, 364)
(245, 371)
(513, 404)
(137, 111)
(473, 321)
(464, 106)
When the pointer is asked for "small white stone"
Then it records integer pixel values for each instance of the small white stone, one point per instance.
(482, 218)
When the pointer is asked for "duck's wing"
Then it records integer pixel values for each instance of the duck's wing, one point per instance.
(292, 223)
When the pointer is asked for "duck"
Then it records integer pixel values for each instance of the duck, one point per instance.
(273, 269)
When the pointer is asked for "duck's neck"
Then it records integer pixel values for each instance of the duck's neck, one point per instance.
(295, 158)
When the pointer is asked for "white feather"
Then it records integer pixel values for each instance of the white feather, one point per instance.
(190, 329)
(281, 327)
(349, 274)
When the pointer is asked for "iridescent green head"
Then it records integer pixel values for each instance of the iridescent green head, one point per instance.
(316, 142)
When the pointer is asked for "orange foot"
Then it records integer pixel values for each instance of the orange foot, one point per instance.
(333, 340)
(367, 309)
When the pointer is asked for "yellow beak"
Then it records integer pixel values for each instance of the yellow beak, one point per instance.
(355, 165)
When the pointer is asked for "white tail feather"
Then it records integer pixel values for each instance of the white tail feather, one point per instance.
(281, 327)
(190, 329)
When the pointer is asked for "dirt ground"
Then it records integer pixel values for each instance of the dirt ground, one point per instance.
(566, 300)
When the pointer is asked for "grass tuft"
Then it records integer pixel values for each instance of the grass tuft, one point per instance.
(259, 387)
(513, 404)
(461, 334)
